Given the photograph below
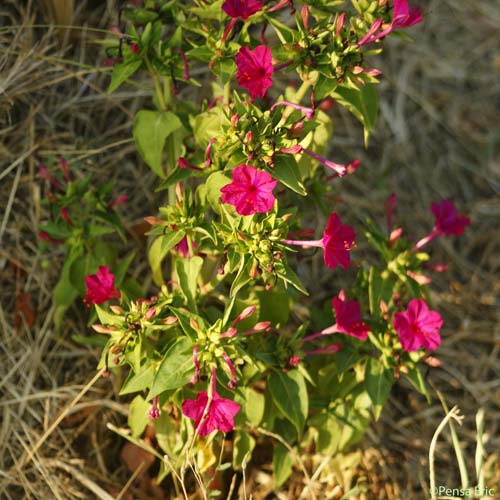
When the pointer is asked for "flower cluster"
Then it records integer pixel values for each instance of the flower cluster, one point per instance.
(228, 340)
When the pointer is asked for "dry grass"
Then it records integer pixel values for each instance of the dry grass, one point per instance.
(438, 136)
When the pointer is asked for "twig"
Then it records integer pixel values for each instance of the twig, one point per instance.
(454, 414)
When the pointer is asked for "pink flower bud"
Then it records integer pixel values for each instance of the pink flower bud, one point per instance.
(103, 329)
(169, 320)
(154, 412)
(119, 200)
(150, 313)
(246, 313)
(154, 221)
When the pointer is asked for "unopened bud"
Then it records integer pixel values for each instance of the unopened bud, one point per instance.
(117, 310)
(151, 313)
(246, 313)
(169, 320)
(154, 221)
(304, 13)
(103, 329)
(249, 137)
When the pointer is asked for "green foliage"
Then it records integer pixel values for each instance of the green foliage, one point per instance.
(228, 317)
(151, 129)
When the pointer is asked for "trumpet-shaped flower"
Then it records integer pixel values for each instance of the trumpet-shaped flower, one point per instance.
(217, 415)
(418, 326)
(101, 287)
(348, 319)
(241, 8)
(250, 192)
(447, 222)
(404, 16)
(255, 70)
(337, 241)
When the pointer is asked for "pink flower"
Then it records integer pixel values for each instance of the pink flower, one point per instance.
(241, 8)
(101, 287)
(250, 192)
(339, 169)
(403, 17)
(183, 247)
(348, 319)
(255, 70)
(308, 112)
(447, 220)
(418, 326)
(218, 416)
(337, 242)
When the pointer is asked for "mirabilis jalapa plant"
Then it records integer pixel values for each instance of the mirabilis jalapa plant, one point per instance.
(219, 348)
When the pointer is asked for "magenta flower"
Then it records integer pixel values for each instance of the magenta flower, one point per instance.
(337, 242)
(348, 319)
(308, 112)
(255, 70)
(418, 326)
(241, 8)
(101, 287)
(447, 221)
(250, 192)
(338, 168)
(218, 416)
(403, 17)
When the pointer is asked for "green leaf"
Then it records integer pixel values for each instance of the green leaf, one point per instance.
(137, 382)
(159, 249)
(64, 292)
(243, 446)
(123, 71)
(214, 184)
(107, 318)
(285, 34)
(274, 306)
(81, 267)
(324, 86)
(211, 11)
(362, 103)
(282, 465)
(243, 276)
(151, 129)
(178, 175)
(289, 393)
(175, 368)
(138, 417)
(287, 172)
(254, 406)
(207, 125)
(378, 383)
(414, 375)
(289, 276)
(188, 271)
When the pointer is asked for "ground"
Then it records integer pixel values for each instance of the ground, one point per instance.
(438, 136)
